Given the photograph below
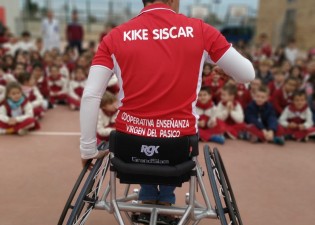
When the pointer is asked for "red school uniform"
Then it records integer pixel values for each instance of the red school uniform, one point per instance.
(273, 87)
(299, 116)
(57, 88)
(105, 124)
(243, 95)
(231, 122)
(36, 99)
(280, 99)
(207, 113)
(75, 93)
(24, 121)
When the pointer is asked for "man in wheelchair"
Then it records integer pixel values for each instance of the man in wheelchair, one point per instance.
(158, 58)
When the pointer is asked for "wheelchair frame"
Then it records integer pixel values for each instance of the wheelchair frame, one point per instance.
(89, 198)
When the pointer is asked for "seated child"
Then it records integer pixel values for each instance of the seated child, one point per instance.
(283, 97)
(57, 86)
(206, 75)
(76, 88)
(113, 86)
(230, 112)
(278, 81)
(106, 116)
(297, 119)
(207, 123)
(5, 78)
(243, 95)
(216, 84)
(262, 120)
(16, 114)
(32, 93)
(41, 80)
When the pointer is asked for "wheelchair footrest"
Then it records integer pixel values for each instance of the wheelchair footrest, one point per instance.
(162, 220)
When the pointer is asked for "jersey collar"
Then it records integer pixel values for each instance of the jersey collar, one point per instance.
(156, 6)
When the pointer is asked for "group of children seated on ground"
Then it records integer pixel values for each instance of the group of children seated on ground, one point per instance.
(30, 84)
(270, 111)
(272, 108)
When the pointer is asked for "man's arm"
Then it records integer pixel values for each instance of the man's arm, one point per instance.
(90, 103)
(236, 66)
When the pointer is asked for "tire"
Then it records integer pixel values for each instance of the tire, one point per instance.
(69, 202)
(210, 169)
(90, 193)
(229, 198)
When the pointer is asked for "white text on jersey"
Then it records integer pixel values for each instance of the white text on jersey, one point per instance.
(159, 34)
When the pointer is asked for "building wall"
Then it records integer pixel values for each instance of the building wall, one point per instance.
(12, 12)
(306, 23)
(272, 15)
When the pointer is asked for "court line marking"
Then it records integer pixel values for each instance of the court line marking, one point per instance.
(52, 133)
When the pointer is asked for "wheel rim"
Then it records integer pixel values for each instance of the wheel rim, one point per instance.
(90, 193)
(228, 194)
(210, 169)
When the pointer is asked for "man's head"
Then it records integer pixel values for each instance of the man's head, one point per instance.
(174, 4)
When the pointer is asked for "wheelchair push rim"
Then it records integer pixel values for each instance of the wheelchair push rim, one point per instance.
(90, 193)
(220, 181)
(74, 190)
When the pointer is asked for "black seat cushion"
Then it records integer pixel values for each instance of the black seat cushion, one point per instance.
(164, 158)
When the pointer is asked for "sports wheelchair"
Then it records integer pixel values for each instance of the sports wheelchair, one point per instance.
(142, 160)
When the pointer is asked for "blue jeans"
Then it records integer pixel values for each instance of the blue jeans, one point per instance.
(152, 193)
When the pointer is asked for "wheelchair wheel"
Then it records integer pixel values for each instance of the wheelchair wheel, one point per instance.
(228, 194)
(70, 204)
(210, 169)
(90, 193)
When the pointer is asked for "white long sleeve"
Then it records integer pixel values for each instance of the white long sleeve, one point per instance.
(237, 66)
(95, 87)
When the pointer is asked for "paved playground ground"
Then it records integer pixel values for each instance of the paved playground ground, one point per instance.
(273, 185)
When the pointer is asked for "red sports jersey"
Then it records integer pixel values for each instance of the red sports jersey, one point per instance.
(158, 58)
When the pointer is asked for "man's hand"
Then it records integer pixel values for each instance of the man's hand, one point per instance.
(101, 154)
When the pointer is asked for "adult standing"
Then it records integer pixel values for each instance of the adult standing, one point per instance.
(158, 58)
(75, 32)
(50, 32)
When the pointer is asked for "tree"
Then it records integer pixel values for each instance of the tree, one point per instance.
(31, 8)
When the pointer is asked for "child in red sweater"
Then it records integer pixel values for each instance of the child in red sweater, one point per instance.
(57, 86)
(209, 130)
(283, 97)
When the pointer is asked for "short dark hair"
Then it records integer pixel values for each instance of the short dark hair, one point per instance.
(264, 89)
(24, 77)
(231, 89)
(10, 86)
(151, 1)
(206, 89)
(291, 78)
(299, 93)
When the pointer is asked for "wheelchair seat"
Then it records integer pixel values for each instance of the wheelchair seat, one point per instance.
(146, 160)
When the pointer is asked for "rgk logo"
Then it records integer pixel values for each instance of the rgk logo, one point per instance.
(149, 150)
